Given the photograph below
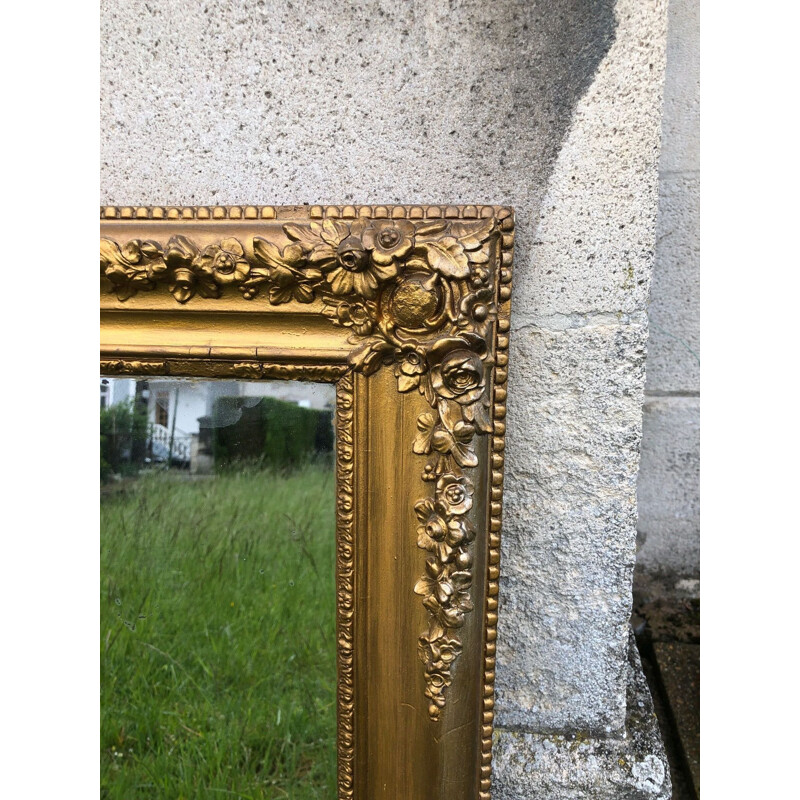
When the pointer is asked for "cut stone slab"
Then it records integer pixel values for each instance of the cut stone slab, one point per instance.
(569, 527)
(668, 489)
(679, 673)
(579, 767)
(673, 351)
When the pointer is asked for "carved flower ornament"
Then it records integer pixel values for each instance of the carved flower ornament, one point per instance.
(345, 257)
(456, 368)
(355, 314)
(389, 240)
(416, 296)
(137, 265)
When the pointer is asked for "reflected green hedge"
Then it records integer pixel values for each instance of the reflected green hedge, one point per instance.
(273, 433)
(123, 439)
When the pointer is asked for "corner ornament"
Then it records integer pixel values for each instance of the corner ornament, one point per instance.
(420, 298)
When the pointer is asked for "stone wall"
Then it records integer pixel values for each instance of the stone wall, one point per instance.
(553, 108)
(579, 335)
(669, 480)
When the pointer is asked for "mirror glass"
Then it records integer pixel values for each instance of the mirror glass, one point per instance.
(217, 640)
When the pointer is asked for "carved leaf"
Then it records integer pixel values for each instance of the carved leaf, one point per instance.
(464, 456)
(370, 356)
(303, 293)
(478, 414)
(472, 235)
(267, 252)
(436, 631)
(131, 251)
(109, 252)
(302, 234)
(430, 229)
(423, 509)
(450, 413)
(423, 443)
(333, 231)
(125, 291)
(426, 390)
(447, 257)
(405, 383)
(150, 249)
(478, 256)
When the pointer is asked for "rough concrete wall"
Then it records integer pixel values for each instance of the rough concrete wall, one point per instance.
(669, 491)
(293, 101)
(536, 105)
(575, 401)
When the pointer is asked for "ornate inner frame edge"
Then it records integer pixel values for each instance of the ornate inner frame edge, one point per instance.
(418, 293)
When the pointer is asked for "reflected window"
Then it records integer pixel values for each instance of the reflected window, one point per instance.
(105, 391)
(162, 409)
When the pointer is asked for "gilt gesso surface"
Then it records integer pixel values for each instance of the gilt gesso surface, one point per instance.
(420, 297)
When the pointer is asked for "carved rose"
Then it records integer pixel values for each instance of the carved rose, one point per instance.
(354, 314)
(455, 493)
(389, 240)
(225, 262)
(456, 368)
(346, 262)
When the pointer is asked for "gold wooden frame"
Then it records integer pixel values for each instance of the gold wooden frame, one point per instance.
(406, 309)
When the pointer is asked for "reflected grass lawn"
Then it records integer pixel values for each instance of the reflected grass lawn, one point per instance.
(218, 646)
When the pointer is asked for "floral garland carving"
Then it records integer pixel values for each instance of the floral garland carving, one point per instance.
(418, 297)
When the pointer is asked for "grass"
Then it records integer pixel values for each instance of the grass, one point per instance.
(218, 647)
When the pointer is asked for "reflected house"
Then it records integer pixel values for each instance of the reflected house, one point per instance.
(180, 412)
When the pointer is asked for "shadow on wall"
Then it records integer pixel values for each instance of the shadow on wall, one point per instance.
(553, 51)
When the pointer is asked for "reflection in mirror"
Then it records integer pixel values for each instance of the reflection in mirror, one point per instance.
(218, 645)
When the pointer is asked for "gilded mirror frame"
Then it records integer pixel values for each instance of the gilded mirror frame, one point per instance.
(406, 309)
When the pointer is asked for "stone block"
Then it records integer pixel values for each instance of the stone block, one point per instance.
(592, 250)
(669, 479)
(568, 548)
(680, 149)
(579, 766)
(673, 352)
